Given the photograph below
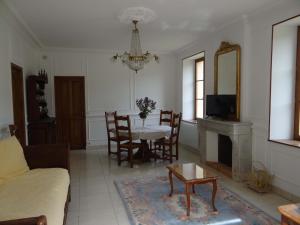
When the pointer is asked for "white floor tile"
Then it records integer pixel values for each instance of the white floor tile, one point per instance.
(96, 201)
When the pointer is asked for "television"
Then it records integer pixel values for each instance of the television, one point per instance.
(221, 106)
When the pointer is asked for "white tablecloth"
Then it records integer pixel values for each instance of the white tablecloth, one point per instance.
(150, 132)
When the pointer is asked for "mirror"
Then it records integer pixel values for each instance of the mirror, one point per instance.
(227, 73)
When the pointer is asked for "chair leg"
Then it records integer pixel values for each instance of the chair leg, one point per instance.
(155, 156)
(177, 152)
(170, 154)
(119, 156)
(108, 147)
(130, 158)
(164, 152)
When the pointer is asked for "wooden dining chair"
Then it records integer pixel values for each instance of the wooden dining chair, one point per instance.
(165, 145)
(124, 139)
(110, 129)
(165, 117)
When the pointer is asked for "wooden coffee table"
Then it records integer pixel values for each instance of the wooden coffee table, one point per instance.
(191, 174)
(290, 214)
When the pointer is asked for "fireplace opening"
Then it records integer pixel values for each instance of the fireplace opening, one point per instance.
(224, 150)
(223, 162)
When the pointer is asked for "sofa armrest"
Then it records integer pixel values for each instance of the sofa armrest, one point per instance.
(41, 220)
(48, 156)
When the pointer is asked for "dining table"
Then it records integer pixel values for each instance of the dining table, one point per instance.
(145, 134)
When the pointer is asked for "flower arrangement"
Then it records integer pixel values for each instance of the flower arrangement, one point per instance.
(145, 105)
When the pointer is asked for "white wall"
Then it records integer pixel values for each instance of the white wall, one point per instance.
(189, 135)
(283, 81)
(112, 86)
(254, 34)
(16, 46)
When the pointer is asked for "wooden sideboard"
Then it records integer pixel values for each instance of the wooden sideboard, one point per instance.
(42, 132)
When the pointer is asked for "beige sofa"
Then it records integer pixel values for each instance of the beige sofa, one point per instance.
(34, 183)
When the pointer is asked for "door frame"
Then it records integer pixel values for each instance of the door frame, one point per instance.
(19, 131)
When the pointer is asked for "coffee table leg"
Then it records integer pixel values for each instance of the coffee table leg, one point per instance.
(284, 220)
(214, 194)
(188, 199)
(171, 182)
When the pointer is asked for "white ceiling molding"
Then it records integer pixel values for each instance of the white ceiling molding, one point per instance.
(94, 24)
(23, 23)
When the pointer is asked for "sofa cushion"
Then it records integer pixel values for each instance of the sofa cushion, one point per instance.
(37, 192)
(12, 160)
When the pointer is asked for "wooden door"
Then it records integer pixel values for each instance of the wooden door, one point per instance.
(70, 111)
(18, 102)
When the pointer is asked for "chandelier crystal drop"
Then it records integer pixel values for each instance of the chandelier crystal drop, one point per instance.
(135, 59)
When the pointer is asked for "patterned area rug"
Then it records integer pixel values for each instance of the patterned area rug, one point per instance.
(147, 203)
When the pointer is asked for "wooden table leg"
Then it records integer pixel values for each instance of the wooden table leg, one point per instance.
(171, 182)
(193, 187)
(188, 199)
(284, 220)
(144, 153)
(214, 192)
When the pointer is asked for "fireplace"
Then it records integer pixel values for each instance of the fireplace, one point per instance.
(233, 153)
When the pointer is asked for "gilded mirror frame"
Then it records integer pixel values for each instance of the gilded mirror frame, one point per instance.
(224, 48)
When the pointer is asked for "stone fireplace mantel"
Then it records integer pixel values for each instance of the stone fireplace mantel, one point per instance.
(240, 134)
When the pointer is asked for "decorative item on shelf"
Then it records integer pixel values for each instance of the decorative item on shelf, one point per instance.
(145, 105)
(36, 99)
(260, 179)
(43, 76)
(136, 59)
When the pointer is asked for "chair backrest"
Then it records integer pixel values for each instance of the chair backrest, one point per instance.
(165, 117)
(12, 129)
(123, 130)
(110, 122)
(175, 127)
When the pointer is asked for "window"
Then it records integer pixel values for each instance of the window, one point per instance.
(284, 125)
(199, 88)
(193, 87)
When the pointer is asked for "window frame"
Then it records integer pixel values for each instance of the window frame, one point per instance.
(289, 142)
(202, 59)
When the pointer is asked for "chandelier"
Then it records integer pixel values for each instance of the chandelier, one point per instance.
(135, 59)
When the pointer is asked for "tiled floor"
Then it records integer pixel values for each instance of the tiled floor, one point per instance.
(95, 200)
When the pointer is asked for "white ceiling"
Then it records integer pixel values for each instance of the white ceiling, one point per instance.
(95, 23)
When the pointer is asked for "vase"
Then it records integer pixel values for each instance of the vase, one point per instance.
(143, 122)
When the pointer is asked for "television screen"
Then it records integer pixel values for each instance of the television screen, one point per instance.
(220, 105)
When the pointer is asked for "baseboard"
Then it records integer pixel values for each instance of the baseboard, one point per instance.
(95, 147)
(289, 196)
(189, 148)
